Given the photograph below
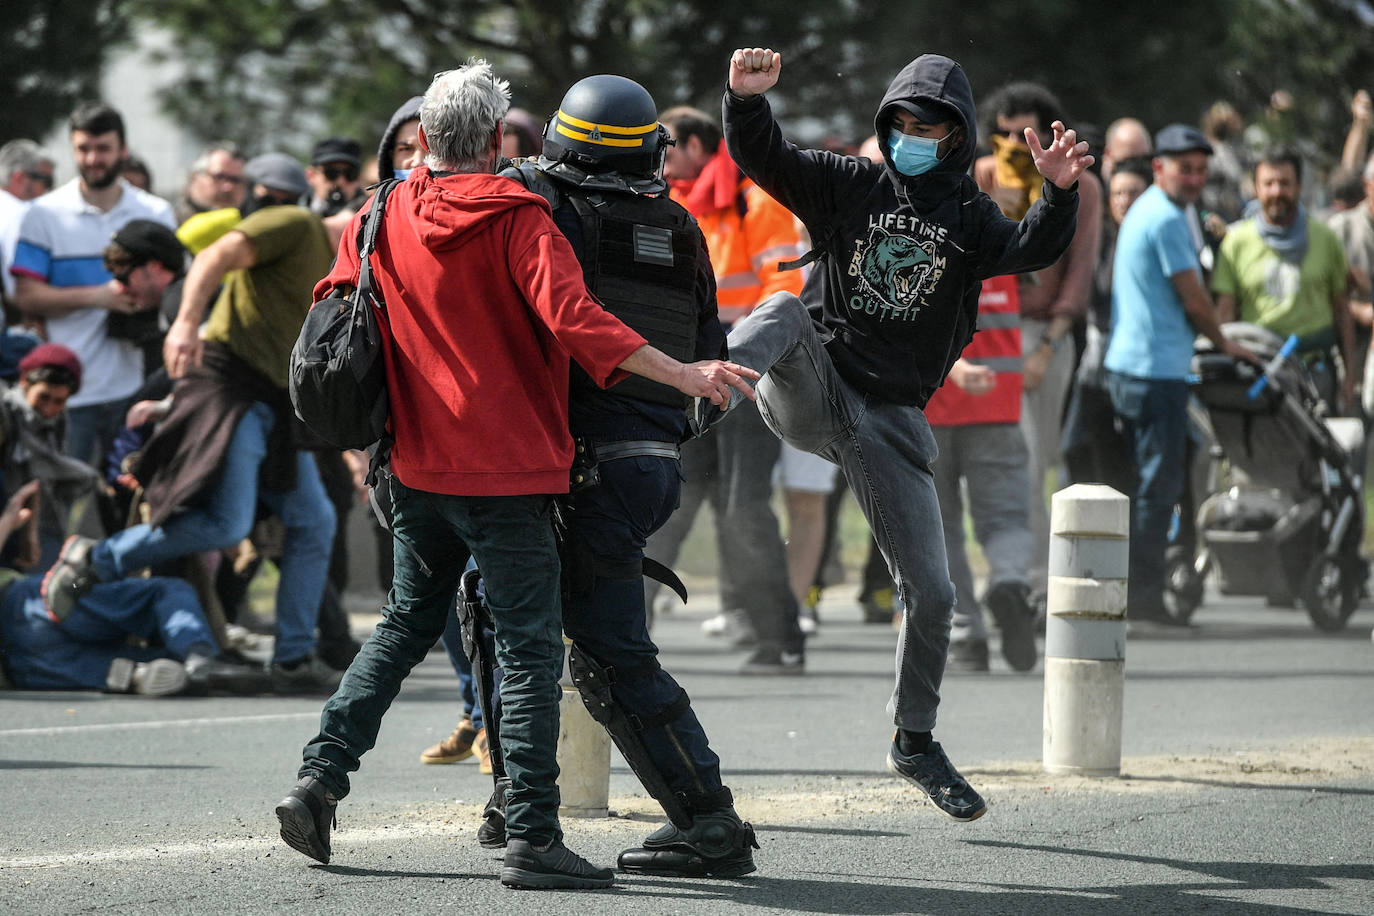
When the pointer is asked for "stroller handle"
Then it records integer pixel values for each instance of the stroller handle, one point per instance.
(1271, 369)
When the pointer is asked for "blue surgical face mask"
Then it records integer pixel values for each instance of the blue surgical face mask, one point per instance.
(913, 155)
(402, 174)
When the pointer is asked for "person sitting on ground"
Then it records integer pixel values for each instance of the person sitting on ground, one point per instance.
(93, 647)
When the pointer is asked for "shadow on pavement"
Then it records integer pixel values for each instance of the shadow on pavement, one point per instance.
(354, 871)
(1270, 787)
(858, 895)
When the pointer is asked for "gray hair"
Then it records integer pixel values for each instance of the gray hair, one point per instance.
(202, 163)
(22, 156)
(459, 114)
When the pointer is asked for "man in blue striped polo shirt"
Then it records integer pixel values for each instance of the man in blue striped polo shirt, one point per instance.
(61, 280)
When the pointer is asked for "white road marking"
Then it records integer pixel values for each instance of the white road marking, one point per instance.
(155, 724)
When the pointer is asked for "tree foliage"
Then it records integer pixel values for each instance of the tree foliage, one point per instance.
(52, 53)
(276, 73)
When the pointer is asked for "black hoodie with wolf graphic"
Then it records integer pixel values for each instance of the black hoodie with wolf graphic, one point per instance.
(896, 294)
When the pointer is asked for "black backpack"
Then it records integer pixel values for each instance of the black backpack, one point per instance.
(338, 374)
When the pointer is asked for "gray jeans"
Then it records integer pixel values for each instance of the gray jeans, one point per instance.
(991, 457)
(885, 452)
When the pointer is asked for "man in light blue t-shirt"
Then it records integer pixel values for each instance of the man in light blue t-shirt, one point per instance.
(1159, 304)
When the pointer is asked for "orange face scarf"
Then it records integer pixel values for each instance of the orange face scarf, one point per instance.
(714, 189)
(1015, 168)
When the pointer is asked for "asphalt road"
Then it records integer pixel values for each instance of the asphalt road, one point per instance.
(1247, 787)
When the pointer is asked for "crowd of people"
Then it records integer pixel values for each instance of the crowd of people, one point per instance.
(677, 311)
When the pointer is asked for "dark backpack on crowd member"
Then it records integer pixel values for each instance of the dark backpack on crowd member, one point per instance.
(338, 373)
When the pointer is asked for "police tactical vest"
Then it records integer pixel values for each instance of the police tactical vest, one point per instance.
(639, 258)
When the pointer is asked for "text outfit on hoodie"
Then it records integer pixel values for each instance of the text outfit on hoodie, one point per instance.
(849, 367)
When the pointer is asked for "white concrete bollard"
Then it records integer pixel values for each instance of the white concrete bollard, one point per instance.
(1085, 633)
(584, 756)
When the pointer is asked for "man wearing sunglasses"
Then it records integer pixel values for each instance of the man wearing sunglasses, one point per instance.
(26, 173)
(335, 176)
(216, 181)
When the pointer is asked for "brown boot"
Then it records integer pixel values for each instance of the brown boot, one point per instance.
(456, 747)
(483, 753)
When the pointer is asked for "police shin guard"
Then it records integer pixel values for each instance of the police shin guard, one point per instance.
(705, 837)
(593, 682)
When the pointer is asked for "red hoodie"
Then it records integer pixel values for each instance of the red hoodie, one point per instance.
(485, 302)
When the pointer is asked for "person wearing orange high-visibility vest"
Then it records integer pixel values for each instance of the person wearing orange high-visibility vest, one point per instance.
(747, 233)
(976, 422)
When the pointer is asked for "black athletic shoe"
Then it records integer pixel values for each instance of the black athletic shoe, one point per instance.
(718, 845)
(938, 779)
(492, 833)
(552, 866)
(967, 655)
(209, 674)
(1010, 606)
(770, 660)
(306, 816)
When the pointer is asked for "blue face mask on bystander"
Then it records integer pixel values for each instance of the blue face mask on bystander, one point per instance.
(913, 155)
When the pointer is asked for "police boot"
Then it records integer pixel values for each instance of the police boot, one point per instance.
(492, 833)
(718, 844)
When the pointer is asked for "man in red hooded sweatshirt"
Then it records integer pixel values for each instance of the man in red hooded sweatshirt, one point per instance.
(485, 306)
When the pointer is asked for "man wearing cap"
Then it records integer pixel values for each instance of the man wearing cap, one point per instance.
(228, 439)
(149, 263)
(335, 169)
(60, 275)
(1159, 304)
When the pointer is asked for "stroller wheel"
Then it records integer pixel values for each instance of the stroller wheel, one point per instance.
(1330, 591)
(1182, 585)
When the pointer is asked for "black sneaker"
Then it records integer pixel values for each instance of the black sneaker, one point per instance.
(308, 675)
(209, 674)
(772, 660)
(550, 866)
(718, 845)
(967, 655)
(306, 816)
(938, 779)
(492, 833)
(1010, 606)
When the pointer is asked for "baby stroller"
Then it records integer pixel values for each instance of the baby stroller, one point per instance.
(1290, 523)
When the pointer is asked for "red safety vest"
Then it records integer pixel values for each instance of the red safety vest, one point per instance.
(997, 345)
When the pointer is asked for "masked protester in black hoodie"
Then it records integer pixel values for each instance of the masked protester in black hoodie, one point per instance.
(905, 244)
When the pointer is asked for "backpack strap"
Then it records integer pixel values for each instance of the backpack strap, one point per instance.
(371, 225)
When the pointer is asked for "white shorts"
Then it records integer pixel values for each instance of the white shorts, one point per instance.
(798, 470)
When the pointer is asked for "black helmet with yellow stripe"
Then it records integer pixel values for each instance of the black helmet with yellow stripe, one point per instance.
(607, 123)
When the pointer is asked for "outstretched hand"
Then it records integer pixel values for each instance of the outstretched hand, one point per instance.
(753, 71)
(713, 378)
(19, 515)
(1063, 160)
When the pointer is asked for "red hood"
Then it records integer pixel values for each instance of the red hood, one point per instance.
(444, 211)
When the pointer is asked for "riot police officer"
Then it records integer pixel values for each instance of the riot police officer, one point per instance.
(645, 259)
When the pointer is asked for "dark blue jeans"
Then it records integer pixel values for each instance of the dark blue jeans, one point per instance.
(1154, 423)
(511, 538)
(634, 499)
(76, 653)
